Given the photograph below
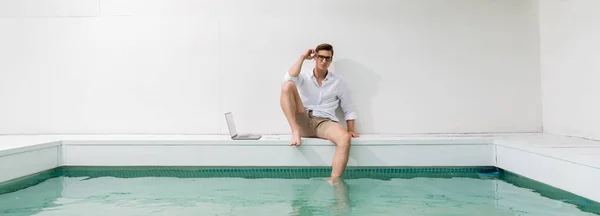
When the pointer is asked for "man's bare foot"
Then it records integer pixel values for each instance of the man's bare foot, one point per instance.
(296, 139)
(330, 181)
(333, 180)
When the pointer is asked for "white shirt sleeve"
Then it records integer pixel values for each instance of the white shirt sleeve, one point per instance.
(297, 80)
(347, 103)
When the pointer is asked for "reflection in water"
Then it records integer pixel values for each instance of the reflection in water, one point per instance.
(277, 196)
(342, 196)
(31, 200)
(340, 205)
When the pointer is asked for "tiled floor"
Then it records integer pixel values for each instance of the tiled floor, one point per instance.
(15, 141)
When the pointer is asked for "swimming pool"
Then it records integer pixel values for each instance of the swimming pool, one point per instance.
(71, 190)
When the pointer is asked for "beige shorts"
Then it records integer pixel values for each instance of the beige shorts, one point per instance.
(311, 126)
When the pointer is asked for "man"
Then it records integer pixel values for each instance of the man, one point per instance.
(309, 99)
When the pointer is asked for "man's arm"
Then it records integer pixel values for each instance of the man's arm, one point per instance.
(295, 70)
(351, 130)
(349, 109)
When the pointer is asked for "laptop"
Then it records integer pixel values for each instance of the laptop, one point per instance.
(233, 130)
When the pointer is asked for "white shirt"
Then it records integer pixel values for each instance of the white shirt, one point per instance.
(324, 100)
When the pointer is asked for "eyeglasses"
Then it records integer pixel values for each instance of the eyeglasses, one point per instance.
(326, 58)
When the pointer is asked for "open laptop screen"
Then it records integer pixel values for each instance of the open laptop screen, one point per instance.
(230, 124)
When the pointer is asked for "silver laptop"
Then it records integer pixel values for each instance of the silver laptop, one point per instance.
(233, 130)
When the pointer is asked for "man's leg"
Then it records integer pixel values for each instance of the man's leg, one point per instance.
(291, 106)
(336, 133)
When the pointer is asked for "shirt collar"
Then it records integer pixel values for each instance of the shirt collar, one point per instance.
(329, 76)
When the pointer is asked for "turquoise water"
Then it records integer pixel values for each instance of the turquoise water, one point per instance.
(297, 192)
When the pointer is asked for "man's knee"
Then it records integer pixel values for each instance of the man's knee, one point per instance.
(288, 86)
(343, 140)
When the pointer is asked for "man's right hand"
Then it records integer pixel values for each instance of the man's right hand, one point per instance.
(309, 54)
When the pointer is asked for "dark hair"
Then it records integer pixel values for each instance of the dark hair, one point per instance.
(324, 46)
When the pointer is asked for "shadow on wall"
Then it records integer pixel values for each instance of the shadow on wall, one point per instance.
(363, 84)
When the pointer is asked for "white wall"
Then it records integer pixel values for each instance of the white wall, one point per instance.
(570, 44)
(175, 66)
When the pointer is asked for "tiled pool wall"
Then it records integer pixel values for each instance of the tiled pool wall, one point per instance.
(57, 189)
(576, 178)
(23, 161)
(567, 175)
(276, 155)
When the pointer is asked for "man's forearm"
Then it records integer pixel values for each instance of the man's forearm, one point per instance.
(350, 124)
(295, 70)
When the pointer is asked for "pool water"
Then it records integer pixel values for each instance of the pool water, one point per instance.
(310, 194)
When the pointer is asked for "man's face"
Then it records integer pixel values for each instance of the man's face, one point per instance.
(323, 59)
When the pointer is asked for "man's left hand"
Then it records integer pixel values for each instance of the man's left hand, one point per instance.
(353, 134)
